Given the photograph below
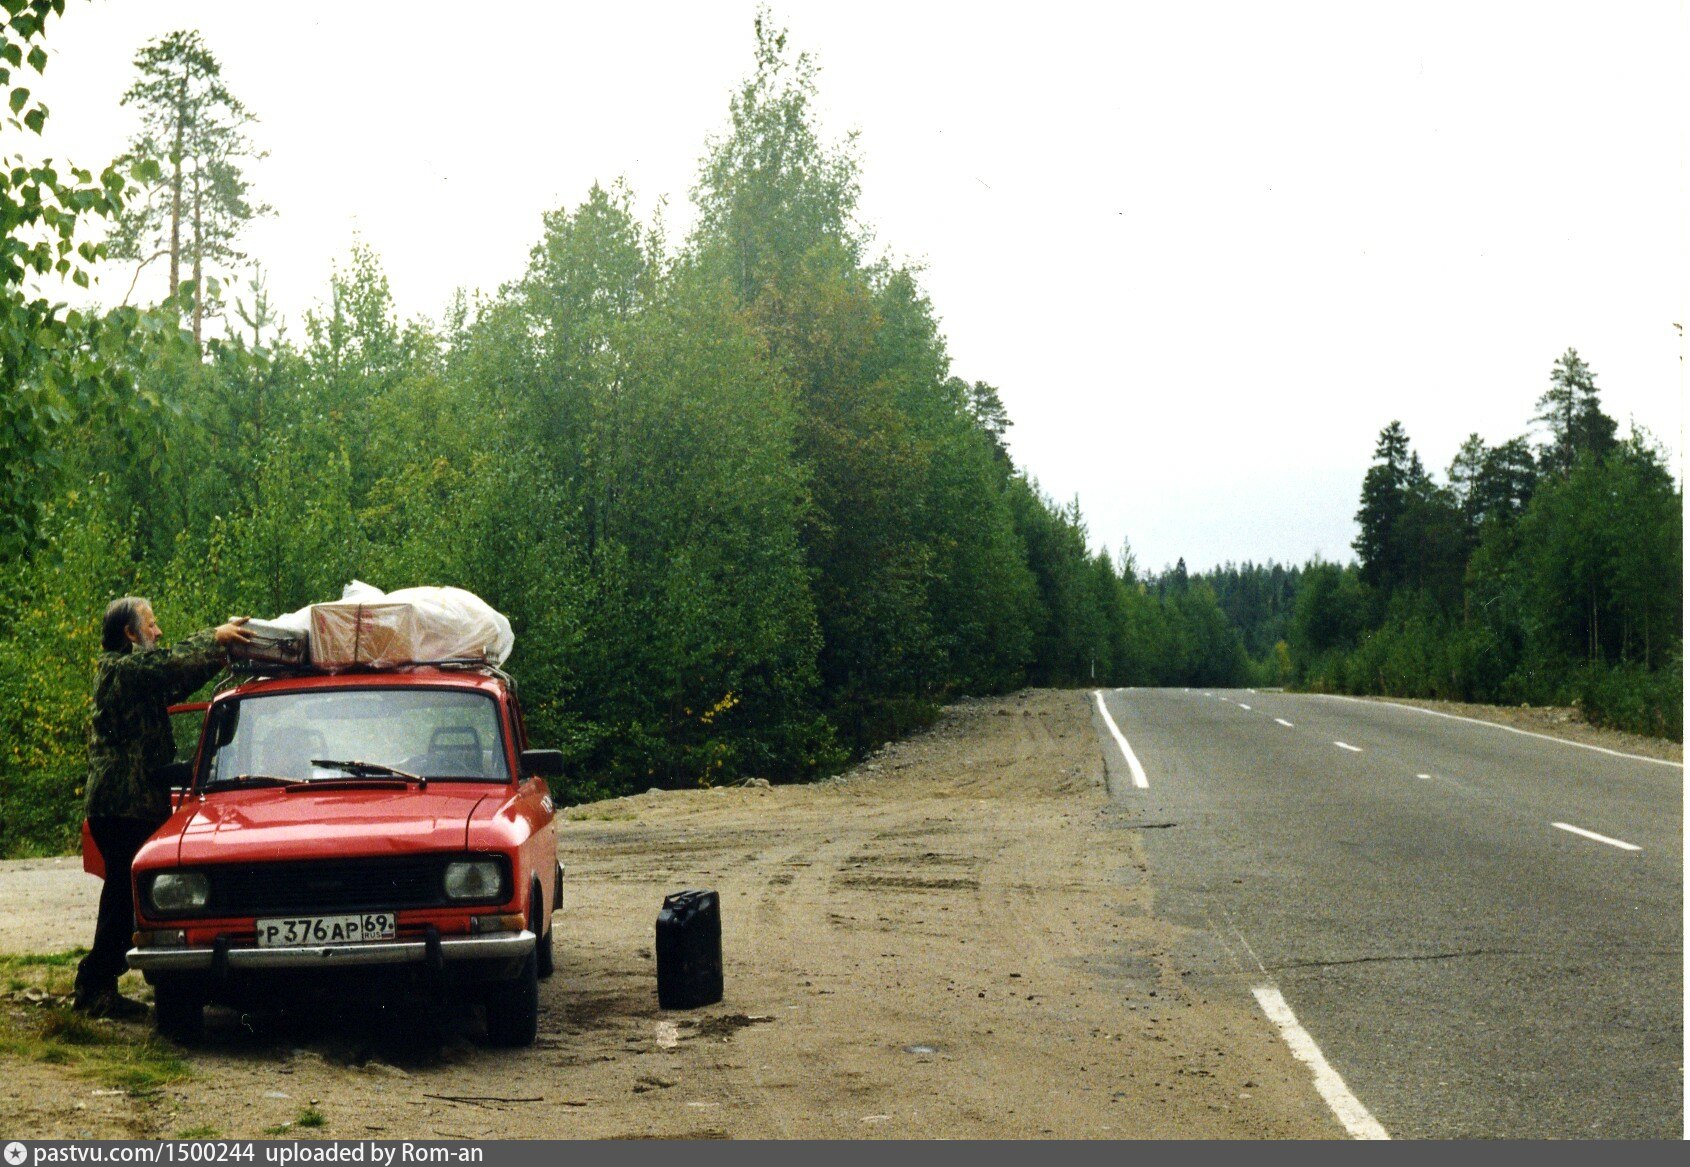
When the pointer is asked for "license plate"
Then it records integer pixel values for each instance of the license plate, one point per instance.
(327, 929)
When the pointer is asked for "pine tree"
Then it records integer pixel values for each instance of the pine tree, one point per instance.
(194, 129)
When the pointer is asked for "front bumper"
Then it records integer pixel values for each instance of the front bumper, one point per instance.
(502, 946)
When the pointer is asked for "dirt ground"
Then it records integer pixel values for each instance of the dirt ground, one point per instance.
(957, 939)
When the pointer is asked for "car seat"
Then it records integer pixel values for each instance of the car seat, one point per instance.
(454, 751)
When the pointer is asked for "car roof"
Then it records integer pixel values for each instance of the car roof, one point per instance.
(409, 676)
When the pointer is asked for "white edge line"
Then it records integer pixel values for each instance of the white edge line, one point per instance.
(1285, 723)
(1346, 1106)
(1620, 843)
(1139, 780)
(1548, 737)
(1348, 746)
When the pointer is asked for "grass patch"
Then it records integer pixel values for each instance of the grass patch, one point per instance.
(279, 1129)
(154, 1067)
(199, 1132)
(69, 1028)
(311, 1117)
(12, 962)
(599, 813)
(121, 1055)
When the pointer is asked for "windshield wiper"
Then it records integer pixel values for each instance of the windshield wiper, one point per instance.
(367, 770)
(249, 780)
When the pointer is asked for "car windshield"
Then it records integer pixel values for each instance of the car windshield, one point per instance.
(434, 733)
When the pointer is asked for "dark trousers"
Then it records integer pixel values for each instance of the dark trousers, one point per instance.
(118, 839)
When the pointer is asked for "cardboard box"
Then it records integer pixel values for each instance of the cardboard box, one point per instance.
(379, 634)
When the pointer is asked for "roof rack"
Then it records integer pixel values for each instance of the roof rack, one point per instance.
(241, 671)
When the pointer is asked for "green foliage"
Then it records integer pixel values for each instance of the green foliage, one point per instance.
(47, 653)
(1634, 698)
(51, 361)
(742, 515)
(1551, 579)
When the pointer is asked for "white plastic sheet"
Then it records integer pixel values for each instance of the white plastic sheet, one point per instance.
(411, 626)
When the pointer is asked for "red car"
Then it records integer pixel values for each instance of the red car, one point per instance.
(367, 833)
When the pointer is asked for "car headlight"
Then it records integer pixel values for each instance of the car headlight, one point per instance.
(473, 879)
(179, 891)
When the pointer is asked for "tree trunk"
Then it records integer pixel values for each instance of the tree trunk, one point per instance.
(199, 265)
(176, 190)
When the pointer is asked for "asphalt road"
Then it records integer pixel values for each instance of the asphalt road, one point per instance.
(1467, 967)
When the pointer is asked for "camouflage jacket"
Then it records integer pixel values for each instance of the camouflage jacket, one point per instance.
(129, 737)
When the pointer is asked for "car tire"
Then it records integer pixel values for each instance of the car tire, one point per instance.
(513, 1006)
(178, 1009)
(545, 963)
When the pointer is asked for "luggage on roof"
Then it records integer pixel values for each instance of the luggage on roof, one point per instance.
(374, 629)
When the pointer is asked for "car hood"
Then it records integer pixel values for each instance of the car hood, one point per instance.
(267, 825)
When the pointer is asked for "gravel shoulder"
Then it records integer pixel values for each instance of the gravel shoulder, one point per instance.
(957, 939)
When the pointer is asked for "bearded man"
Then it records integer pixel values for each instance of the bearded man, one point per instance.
(128, 792)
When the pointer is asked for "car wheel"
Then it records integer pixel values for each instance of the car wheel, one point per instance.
(178, 1009)
(513, 1006)
(545, 962)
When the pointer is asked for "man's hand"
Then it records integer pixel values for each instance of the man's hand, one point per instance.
(232, 632)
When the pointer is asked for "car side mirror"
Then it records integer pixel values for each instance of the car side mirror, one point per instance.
(542, 763)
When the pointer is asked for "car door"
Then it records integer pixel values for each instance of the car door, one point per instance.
(186, 722)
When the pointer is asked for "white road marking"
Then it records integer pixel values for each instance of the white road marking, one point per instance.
(1285, 723)
(1511, 729)
(1622, 845)
(1427, 777)
(1139, 780)
(1348, 746)
(1241, 705)
(1346, 1106)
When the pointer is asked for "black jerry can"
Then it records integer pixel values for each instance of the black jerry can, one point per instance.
(689, 950)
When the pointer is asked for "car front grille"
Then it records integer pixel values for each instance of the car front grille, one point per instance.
(325, 886)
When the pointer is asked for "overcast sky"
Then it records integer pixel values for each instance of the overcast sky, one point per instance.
(1206, 251)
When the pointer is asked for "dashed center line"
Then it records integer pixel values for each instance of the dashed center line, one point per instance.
(1427, 777)
(1285, 723)
(1620, 843)
(1348, 746)
(1241, 705)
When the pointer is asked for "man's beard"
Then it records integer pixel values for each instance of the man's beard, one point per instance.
(148, 643)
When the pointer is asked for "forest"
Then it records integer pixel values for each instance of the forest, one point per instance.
(1541, 573)
(744, 518)
(1545, 572)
